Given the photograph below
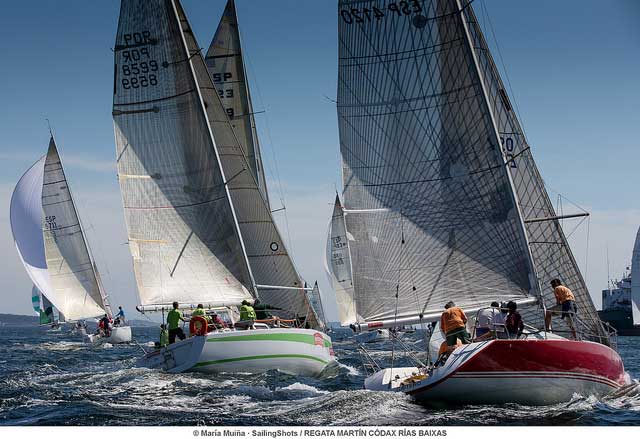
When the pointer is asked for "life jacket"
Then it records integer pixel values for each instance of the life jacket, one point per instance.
(198, 312)
(247, 313)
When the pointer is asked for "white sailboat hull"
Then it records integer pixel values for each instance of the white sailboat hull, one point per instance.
(295, 351)
(529, 372)
(119, 334)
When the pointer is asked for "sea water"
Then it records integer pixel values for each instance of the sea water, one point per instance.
(52, 378)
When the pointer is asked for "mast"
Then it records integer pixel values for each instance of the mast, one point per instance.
(535, 284)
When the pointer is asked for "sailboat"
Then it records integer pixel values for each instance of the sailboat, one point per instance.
(47, 313)
(635, 284)
(443, 201)
(52, 246)
(199, 224)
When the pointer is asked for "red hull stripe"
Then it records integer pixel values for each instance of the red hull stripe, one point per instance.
(533, 375)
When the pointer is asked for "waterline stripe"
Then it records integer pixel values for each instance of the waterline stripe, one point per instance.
(299, 338)
(260, 357)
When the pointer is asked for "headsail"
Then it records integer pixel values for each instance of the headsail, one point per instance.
(226, 66)
(427, 194)
(268, 258)
(338, 265)
(635, 281)
(182, 230)
(69, 264)
(552, 255)
(26, 226)
(315, 299)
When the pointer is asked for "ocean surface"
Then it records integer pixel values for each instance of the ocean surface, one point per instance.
(52, 378)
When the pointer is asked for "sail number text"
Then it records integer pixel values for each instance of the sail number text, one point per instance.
(219, 78)
(138, 68)
(356, 15)
(507, 146)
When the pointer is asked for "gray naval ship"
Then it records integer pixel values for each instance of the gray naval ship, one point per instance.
(621, 301)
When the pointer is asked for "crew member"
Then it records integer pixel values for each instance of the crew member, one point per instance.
(262, 310)
(120, 316)
(565, 304)
(514, 323)
(199, 311)
(173, 320)
(247, 315)
(452, 324)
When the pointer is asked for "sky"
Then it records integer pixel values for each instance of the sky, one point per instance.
(573, 67)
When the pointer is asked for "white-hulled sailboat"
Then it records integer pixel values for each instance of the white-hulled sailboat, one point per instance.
(443, 201)
(200, 229)
(52, 245)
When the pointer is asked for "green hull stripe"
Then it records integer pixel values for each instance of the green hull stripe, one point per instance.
(298, 338)
(260, 357)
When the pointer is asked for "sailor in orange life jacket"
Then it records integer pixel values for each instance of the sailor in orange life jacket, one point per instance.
(565, 304)
(452, 324)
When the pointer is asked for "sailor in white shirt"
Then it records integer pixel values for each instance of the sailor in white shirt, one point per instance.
(486, 319)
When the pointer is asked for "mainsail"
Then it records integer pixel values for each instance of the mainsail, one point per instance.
(552, 255)
(50, 241)
(226, 66)
(338, 265)
(635, 281)
(427, 193)
(274, 273)
(180, 220)
(69, 264)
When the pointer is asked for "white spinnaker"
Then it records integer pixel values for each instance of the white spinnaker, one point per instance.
(338, 265)
(226, 66)
(68, 261)
(180, 221)
(635, 281)
(26, 226)
(268, 258)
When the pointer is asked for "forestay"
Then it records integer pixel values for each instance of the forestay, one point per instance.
(552, 255)
(226, 67)
(427, 193)
(70, 268)
(182, 232)
(268, 259)
(338, 265)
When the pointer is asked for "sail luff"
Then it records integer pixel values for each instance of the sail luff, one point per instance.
(182, 19)
(534, 281)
